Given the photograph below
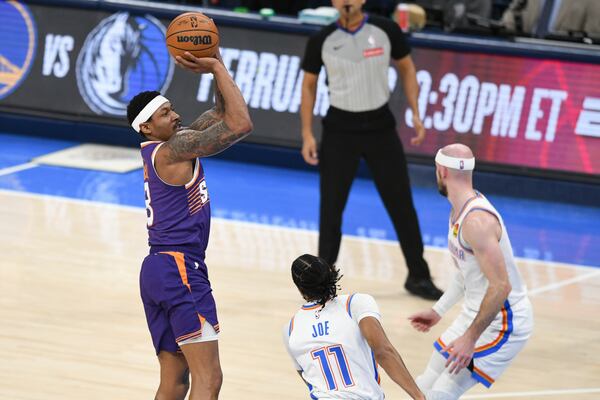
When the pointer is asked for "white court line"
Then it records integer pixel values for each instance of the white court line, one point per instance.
(559, 392)
(17, 168)
(550, 264)
(566, 282)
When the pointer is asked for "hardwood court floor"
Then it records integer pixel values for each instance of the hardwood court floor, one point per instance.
(72, 325)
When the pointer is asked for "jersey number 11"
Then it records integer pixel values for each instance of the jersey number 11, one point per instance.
(336, 351)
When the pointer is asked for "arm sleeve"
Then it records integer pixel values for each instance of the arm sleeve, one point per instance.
(286, 341)
(363, 305)
(451, 296)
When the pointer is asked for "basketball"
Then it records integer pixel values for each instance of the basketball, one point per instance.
(193, 32)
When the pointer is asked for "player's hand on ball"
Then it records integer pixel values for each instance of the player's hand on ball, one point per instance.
(198, 65)
(419, 129)
(218, 56)
(424, 320)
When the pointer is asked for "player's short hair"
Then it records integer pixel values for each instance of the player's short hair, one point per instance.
(137, 104)
(315, 278)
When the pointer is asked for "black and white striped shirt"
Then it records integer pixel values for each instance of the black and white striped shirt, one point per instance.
(356, 62)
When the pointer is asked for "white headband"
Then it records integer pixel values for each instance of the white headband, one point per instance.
(147, 112)
(464, 164)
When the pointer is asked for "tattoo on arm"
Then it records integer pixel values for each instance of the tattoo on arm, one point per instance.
(189, 143)
(213, 115)
(219, 100)
(205, 120)
(207, 135)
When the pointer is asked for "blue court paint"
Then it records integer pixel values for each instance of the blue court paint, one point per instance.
(540, 230)
(19, 149)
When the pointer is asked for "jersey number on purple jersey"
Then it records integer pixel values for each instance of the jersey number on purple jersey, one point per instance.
(149, 210)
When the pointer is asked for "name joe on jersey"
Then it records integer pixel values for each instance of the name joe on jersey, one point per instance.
(320, 329)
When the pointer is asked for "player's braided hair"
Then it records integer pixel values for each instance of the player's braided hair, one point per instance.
(315, 278)
(137, 104)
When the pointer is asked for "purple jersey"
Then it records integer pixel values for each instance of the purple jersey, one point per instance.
(177, 215)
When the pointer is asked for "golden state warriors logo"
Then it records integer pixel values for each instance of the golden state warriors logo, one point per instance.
(17, 45)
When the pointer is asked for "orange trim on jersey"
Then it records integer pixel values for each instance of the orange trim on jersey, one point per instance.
(498, 338)
(500, 335)
(180, 261)
(441, 343)
(197, 207)
(194, 202)
(483, 374)
(464, 207)
(196, 174)
(189, 336)
(311, 307)
(348, 305)
(312, 354)
(478, 374)
(195, 191)
(147, 143)
(198, 332)
(154, 156)
(337, 361)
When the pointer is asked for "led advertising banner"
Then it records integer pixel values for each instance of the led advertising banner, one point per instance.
(510, 110)
(85, 65)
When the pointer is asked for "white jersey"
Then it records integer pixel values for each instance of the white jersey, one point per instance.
(474, 280)
(329, 350)
(507, 334)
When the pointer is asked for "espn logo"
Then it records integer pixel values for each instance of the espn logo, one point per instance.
(588, 123)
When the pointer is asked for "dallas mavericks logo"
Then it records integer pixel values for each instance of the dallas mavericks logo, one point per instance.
(17, 45)
(121, 57)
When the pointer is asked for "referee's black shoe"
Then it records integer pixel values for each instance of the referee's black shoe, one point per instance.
(423, 287)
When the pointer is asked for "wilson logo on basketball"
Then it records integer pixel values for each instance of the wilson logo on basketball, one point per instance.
(196, 40)
(378, 51)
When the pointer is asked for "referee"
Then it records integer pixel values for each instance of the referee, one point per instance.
(356, 52)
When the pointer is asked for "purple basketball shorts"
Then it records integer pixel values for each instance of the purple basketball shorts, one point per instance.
(177, 298)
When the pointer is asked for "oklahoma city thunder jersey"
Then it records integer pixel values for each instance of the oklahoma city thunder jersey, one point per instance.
(178, 215)
(504, 338)
(475, 281)
(328, 348)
